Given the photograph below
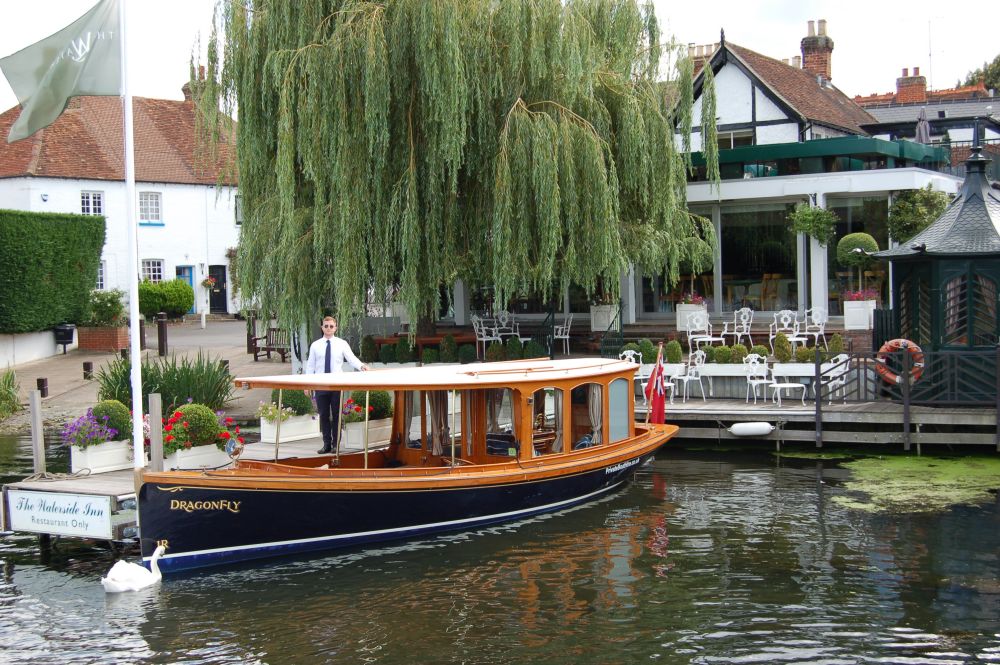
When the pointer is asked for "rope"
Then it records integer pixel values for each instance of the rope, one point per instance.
(46, 476)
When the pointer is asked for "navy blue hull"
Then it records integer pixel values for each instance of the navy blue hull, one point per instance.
(211, 526)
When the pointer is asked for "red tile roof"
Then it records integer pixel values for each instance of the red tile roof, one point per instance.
(824, 104)
(86, 142)
(977, 91)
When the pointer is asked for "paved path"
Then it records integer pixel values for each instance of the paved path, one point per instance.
(70, 395)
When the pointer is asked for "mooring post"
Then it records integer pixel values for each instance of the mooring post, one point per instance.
(88, 370)
(155, 432)
(37, 433)
(161, 333)
(818, 394)
(43, 386)
(904, 377)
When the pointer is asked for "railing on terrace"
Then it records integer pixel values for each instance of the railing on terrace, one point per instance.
(613, 338)
(960, 151)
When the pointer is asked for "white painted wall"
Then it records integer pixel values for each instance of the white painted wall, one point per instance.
(25, 347)
(734, 96)
(786, 133)
(766, 109)
(198, 224)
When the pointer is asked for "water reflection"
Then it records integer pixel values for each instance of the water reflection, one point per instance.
(704, 559)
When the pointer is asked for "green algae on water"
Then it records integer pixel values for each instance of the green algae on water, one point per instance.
(919, 484)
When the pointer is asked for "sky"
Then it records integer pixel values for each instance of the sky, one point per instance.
(873, 40)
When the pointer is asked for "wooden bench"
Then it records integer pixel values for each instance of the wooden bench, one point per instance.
(275, 341)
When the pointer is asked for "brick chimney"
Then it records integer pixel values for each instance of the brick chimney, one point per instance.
(817, 51)
(186, 88)
(911, 89)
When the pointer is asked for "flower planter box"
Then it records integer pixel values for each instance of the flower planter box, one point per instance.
(724, 369)
(102, 339)
(199, 457)
(794, 370)
(682, 314)
(378, 433)
(600, 317)
(858, 314)
(107, 456)
(295, 428)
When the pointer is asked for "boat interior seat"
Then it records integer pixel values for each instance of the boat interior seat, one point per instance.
(500, 443)
(586, 441)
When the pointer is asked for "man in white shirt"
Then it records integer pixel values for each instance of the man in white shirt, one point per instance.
(326, 356)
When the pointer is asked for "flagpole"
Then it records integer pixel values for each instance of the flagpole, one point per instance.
(657, 377)
(138, 454)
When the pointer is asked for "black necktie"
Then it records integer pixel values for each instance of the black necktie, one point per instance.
(326, 363)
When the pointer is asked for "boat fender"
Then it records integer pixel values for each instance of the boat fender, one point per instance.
(751, 429)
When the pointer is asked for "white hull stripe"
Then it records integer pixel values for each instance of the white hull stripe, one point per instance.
(400, 530)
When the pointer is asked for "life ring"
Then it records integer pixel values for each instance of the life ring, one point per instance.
(916, 358)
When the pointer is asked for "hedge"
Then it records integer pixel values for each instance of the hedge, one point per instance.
(174, 297)
(48, 265)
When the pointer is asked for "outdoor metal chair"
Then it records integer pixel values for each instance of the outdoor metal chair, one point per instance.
(755, 366)
(833, 377)
(484, 335)
(562, 332)
(693, 373)
(815, 325)
(742, 319)
(786, 322)
(699, 331)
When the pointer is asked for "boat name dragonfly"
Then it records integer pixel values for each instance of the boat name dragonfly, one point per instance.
(191, 506)
(621, 465)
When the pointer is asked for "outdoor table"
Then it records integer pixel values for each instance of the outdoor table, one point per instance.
(419, 342)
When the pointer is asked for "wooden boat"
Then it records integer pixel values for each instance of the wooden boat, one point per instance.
(470, 445)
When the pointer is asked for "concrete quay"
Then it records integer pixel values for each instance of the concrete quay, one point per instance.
(70, 395)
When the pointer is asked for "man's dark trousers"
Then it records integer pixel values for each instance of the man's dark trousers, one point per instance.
(328, 405)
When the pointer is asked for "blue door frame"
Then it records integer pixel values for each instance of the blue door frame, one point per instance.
(187, 274)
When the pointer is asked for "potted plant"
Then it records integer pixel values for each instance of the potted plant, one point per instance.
(859, 309)
(817, 223)
(689, 303)
(209, 282)
(379, 420)
(99, 439)
(297, 417)
(103, 325)
(853, 251)
(602, 312)
(195, 437)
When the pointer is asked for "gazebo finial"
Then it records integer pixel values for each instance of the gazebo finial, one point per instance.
(722, 37)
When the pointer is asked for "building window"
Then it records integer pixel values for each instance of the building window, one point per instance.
(100, 276)
(150, 210)
(730, 140)
(91, 203)
(239, 210)
(152, 269)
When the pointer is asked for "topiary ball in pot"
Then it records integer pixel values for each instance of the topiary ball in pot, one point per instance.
(739, 352)
(631, 346)
(387, 353)
(760, 350)
(804, 354)
(782, 348)
(379, 400)
(115, 415)
(467, 353)
(648, 351)
(512, 348)
(296, 400)
(495, 352)
(533, 349)
(369, 352)
(673, 351)
(202, 424)
(404, 350)
(429, 357)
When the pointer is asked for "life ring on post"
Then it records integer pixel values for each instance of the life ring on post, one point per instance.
(892, 346)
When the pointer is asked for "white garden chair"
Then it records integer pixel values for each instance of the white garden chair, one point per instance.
(699, 331)
(786, 322)
(755, 366)
(742, 319)
(692, 373)
(815, 325)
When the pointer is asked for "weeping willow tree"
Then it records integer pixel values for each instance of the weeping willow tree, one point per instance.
(404, 144)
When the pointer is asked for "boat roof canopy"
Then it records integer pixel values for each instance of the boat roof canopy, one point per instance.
(535, 372)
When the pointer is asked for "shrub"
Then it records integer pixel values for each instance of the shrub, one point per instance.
(178, 297)
(404, 350)
(513, 348)
(203, 380)
(448, 349)
(913, 210)
(495, 352)
(836, 344)
(387, 353)
(9, 402)
(723, 354)
(674, 352)
(104, 309)
(151, 299)
(296, 400)
(847, 257)
(369, 353)
(467, 353)
(760, 350)
(48, 266)
(782, 348)
(191, 425)
(533, 349)
(805, 354)
(648, 351)
(739, 352)
(380, 402)
(430, 356)
(115, 415)
(818, 223)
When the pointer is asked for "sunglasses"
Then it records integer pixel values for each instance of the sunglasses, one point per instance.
(329, 325)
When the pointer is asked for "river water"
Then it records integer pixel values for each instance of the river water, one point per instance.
(708, 557)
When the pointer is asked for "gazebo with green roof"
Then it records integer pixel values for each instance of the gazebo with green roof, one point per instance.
(945, 280)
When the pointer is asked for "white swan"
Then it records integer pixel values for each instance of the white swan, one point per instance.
(127, 576)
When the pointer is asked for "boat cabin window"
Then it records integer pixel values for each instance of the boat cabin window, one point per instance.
(619, 413)
(587, 415)
(547, 423)
(412, 419)
(443, 422)
(500, 438)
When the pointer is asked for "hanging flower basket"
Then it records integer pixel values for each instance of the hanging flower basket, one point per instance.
(208, 282)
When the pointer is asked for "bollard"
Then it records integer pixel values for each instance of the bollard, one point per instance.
(161, 333)
(142, 334)
(123, 353)
(88, 370)
(43, 386)
(225, 364)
